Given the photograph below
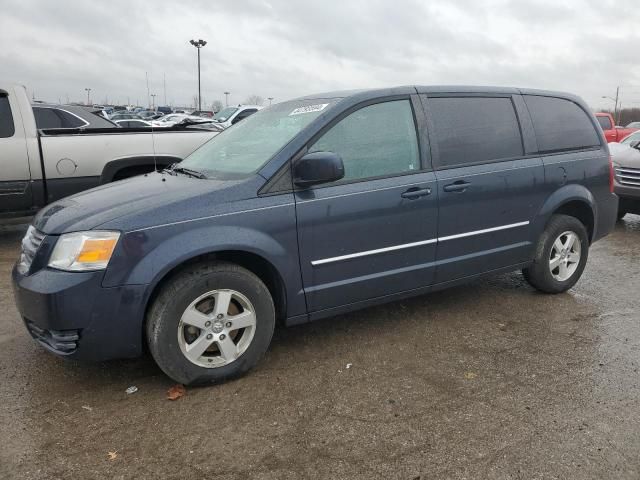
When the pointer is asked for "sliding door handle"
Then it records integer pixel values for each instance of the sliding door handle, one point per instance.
(416, 192)
(459, 186)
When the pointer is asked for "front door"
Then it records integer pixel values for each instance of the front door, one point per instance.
(15, 177)
(373, 233)
(489, 189)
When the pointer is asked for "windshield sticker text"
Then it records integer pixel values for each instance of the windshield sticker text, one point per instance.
(309, 109)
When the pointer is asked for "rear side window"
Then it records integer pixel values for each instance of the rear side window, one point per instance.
(6, 119)
(475, 129)
(560, 124)
(54, 118)
(374, 141)
(605, 123)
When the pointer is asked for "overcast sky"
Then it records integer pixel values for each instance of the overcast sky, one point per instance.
(287, 48)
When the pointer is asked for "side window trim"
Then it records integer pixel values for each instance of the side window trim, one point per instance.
(11, 120)
(419, 121)
(435, 153)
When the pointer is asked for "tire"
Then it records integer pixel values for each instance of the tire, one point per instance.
(191, 298)
(540, 273)
(621, 214)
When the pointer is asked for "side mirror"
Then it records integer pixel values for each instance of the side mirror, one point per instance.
(318, 167)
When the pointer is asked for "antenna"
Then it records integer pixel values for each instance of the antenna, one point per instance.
(153, 146)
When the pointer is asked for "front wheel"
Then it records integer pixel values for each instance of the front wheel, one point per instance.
(561, 255)
(210, 323)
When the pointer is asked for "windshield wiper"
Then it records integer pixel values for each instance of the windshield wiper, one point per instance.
(187, 171)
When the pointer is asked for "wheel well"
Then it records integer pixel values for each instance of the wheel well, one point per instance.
(132, 171)
(129, 167)
(580, 210)
(256, 264)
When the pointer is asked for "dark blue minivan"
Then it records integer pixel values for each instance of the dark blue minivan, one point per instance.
(315, 207)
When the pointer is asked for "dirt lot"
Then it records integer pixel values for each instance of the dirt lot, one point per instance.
(489, 380)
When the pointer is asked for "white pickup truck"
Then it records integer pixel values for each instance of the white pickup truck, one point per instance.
(40, 166)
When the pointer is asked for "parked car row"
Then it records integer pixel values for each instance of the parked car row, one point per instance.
(147, 118)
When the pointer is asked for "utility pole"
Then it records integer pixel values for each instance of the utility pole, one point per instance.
(88, 90)
(198, 44)
(270, 100)
(153, 101)
(617, 110)
(148, 97)
(164, 83)
(226, 98)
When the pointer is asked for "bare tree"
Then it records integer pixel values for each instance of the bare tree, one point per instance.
(254, 100)
(216, 106)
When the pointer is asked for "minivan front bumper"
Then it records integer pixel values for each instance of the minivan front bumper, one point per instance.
(72, 315)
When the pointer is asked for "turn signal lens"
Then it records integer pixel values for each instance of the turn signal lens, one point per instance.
(83, 251)
(96, 250)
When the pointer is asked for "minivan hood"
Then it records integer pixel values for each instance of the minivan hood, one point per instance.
(140, 195)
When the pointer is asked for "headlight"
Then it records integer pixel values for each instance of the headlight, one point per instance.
(81, 251)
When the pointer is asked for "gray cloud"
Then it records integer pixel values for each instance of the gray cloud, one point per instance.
(284, 48)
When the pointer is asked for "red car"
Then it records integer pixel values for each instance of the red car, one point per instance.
(612, 132)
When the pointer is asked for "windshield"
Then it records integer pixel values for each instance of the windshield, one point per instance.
(631, 138)
(169, 118)
(245, 147)
(224, 114)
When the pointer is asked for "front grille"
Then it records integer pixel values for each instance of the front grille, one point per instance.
(628, 176)
(30, 244)
(62, 342)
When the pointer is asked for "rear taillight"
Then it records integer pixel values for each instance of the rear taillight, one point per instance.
(611, 174)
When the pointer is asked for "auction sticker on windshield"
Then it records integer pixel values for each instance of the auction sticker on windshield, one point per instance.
(309, 109)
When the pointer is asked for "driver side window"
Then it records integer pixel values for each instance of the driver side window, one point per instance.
(374, 141)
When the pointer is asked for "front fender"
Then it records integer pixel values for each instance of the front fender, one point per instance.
(145, 257)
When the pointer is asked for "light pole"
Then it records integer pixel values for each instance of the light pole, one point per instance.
(88, 90)
(615, 108)
(226, 98)
(153, 101)
(270, 99)
(198, 44)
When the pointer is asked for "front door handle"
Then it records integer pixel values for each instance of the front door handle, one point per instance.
(416, 192)
(459, 186)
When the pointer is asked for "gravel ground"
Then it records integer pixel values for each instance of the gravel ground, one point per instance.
(488, 380)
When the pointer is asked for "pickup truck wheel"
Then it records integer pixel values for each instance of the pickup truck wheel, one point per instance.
(561, 255)
(211, 323)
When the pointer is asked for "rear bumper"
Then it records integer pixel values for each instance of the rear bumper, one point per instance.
(607, 211)
(72, 315)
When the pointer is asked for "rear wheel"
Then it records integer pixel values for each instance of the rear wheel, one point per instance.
(210, 323)
(561, 255)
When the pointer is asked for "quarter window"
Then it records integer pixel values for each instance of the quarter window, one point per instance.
(560, 124)
(6, 119)
(54, 118)
(475, 129)
(374, 141)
